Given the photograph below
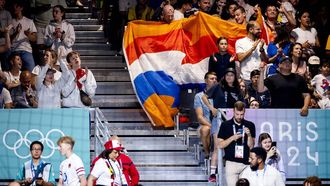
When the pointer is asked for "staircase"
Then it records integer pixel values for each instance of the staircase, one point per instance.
(162, 157)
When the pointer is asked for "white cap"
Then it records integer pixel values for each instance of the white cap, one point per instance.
(314, 60)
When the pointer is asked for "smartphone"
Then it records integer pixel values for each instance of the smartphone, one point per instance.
(274, 144)
(240, 131)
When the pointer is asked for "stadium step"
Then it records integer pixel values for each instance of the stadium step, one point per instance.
(161, 155)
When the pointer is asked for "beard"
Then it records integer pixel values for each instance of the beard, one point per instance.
(254, 167)
(257, 35)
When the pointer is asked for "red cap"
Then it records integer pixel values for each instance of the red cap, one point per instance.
(113, 144)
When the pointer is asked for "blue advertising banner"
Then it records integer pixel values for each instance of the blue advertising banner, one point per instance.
(18, 128)
(304, 142)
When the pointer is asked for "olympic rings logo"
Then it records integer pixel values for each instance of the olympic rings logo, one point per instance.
(43, 139)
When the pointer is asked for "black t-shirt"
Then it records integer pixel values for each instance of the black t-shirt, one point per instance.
(227, 130)
(224, 97)
(286, 91)
(219, 63)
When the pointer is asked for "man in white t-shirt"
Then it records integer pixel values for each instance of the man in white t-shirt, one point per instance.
(72, 171)
(250, 50)
(259, 174)
(182, 7)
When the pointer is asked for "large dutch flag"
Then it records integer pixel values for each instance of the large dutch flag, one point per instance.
(161, 58)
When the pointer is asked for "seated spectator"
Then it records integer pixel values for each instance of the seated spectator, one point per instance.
(204, 5)
(140, 11)
(244, 91)
(277, 49)
(321, 83)
(299, 65)
(306, 35)
(270, 176)
(312, 181)
(49, 89)
(249, 10)
(167, 14)
(60, 33)
(36, 171)
(13, 75)
(218, 8)
(287, 90)
(5, 98)
(182, 7)
(274, 157)
(262, 97)
(78, 80)
(240, 15)
(127, 165)
(220, 61)
(24, 95)
(203, 113)
(253, 103)
(24, 33)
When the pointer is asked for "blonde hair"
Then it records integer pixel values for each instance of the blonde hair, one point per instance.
(66, 139)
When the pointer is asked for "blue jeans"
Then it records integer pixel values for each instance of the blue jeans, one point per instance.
(27, 60)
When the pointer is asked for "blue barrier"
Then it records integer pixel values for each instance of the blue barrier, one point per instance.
(304, 142)
(18, 128)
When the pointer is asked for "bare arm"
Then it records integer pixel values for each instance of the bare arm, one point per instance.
(242, 56)
(261, 85)
(224, 143)
(201, 119)
(91, 180)
(307, 100)
(83, 181)
(209, 105)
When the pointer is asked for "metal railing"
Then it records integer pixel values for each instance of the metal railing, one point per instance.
(101, 131)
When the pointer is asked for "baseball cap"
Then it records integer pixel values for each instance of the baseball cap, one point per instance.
(230, 70)
(314, 60)
(113, 144)
(285, 58)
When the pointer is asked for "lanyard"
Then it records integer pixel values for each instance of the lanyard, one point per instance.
(234, 131)
(263, 174)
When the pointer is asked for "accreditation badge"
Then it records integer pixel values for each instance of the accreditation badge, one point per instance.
(239, 151)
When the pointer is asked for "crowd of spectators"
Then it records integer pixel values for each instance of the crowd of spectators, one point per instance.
(38, 67)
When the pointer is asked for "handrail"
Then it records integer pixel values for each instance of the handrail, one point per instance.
(101, 132)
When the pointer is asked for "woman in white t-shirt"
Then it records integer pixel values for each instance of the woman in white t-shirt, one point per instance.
(107, 170)
(13, 74)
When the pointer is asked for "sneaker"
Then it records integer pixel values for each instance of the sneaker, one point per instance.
(212, 178)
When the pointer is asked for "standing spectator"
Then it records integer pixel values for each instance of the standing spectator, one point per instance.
(224, 95)
(5, 98)
(271, 21)
(13, 74)
(125, 162)
(36, 171)
(5, 21)
(220, 61)
(236, 138)
(287, 90)
(299, 65)
(204, 5)
(218, 8)
(262, 97)
(321, 83)
(203, 113)
(60, 33)
(182, 7)
(274, 157)
(78, 80)
(140, 11)
(277, 49)
(72, 171)
(287, 14)
(24, 33)
(305, 34)
(49, 89)
(249, 10)
(312, 181)
(24, 95)
(230, 11)
(259, 173)
(250, 50)
(240, 15)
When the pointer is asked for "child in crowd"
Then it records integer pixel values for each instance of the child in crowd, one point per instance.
(321, 83)
(72, 171)
(78, 80)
